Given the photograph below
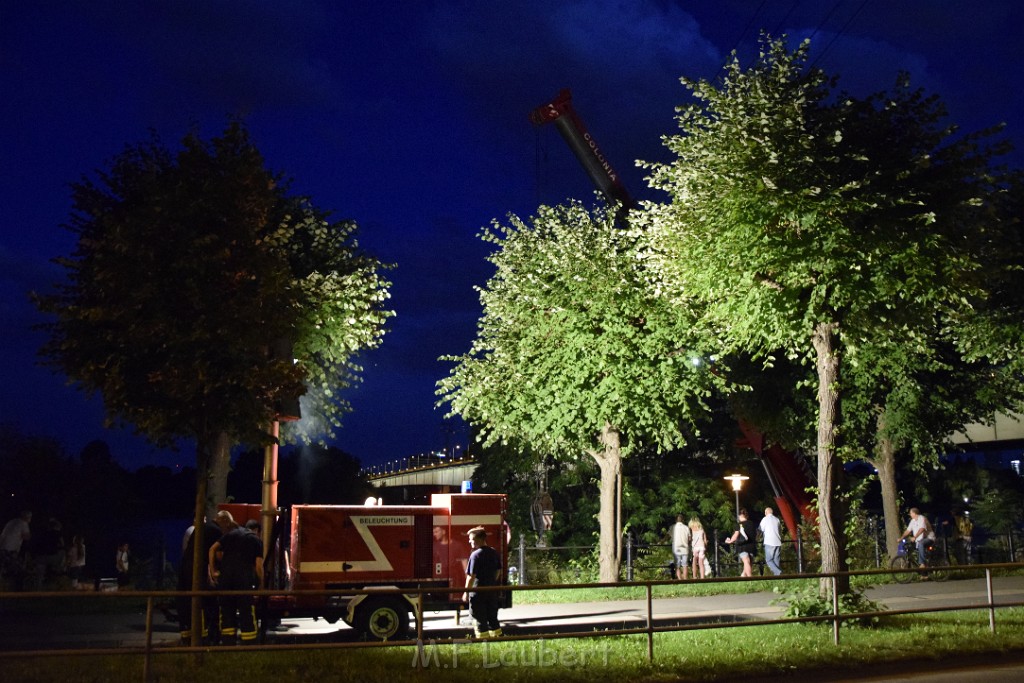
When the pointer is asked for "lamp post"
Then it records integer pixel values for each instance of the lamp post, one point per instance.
(737, 483)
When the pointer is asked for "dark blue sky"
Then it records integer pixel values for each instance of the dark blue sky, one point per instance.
(411, 118)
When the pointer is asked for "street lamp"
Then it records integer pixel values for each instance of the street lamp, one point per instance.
(737, 483)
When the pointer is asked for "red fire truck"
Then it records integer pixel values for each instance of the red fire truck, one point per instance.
(356, 547)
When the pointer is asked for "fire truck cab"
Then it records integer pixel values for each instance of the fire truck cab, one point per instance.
(367, 547)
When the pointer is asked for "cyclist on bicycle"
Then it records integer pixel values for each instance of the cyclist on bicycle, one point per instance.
(920, 531)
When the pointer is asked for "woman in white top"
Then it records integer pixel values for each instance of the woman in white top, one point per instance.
(698, 544)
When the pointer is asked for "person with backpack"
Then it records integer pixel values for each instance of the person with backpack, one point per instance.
(745, 538)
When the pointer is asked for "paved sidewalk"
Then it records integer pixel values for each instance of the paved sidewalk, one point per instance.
(128, 629)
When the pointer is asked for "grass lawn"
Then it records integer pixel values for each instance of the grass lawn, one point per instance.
(733, 653)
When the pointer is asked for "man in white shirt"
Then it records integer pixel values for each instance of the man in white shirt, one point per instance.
(920, 531)
(772, 533)
(681, 547)
(15, 533)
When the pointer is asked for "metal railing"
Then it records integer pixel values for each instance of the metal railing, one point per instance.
(637, 558)
(148, 649)
(988, 548)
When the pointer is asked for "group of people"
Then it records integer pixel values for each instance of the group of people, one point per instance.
(231, 558)
(689, 544)
(689, 541)
(51, 558)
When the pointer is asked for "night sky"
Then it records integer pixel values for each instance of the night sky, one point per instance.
(412, 119)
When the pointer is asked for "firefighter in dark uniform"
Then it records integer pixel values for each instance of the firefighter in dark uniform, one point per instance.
(484, 569)
(240, 552)
(211, 534)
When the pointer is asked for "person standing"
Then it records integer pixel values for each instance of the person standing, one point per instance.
(547, 510)
(771, 531)
(963, 533)
(76, 561)
(745, 538)
(122, 565)
(12, 540)
(241, 568)
(484, 569)
(16, 532)
(698, 544)
(681, 548)
(210, 628)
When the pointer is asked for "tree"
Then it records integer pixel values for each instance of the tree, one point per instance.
(927, 371)
(833, 230)
(575, 355)
(189, 269)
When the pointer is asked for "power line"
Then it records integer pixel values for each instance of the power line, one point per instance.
(746, 28)
(778, 26)
(842, 30)
(825, 20)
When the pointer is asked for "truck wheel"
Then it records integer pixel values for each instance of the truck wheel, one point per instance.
(383, 619)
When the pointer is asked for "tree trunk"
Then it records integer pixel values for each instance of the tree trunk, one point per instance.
(830, 517)
(220, 466)
(609, 461)
(884, 461)
(199, 563)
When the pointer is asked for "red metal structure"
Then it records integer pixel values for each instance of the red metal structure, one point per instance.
(789, 476)
(561, 112)
(359, 547)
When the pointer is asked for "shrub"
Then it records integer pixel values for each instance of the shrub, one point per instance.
(809, 602)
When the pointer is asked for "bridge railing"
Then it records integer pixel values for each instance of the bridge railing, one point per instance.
(416, 463)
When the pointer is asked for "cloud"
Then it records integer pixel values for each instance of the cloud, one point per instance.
(510, 57)
(235, 55)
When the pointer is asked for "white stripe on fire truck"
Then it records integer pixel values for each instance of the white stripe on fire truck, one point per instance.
(362, 524)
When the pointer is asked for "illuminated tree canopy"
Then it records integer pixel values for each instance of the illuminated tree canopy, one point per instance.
(849, 234)
(189, 269)
(574, 354)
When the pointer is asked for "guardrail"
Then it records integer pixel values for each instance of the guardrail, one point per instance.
(650, 628)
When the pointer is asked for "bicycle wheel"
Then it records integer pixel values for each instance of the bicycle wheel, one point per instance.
(899, 563)
(938, 569)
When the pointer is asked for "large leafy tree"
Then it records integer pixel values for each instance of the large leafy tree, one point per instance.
(927, 370)
(574, 354)
(820, 227)
(192, 271)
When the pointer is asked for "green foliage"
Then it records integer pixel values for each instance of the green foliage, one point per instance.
(854, 236)
(340, 299)
(945, 640)
(189, 269)
(860, 530)
(652, 511)
(1000, 509)
(571, 340)
(809, 602)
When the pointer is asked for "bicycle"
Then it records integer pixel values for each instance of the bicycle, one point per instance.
(935, 562)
